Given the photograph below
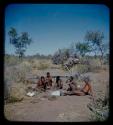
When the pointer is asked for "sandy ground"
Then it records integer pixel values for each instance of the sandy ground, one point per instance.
(61, 109)
(68, 108)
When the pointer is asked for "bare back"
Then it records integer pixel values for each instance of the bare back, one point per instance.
(87, 88)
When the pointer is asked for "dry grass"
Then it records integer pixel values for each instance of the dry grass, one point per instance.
(16, 93)
(99, 110)
(17, 75)
(40, 64)
(92, 65)
(7, 113)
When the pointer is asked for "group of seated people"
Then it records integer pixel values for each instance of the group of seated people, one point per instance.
(46, 82)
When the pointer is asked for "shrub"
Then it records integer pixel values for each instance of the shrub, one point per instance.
(11, 60)
(99, 111)
(89, 65)
(40, 64)
(23, 70)
(94, 65)
(60, 56)
(16, 93)
(43, 66)
(83, 68)
(17, 73)
(8, 113)
(96, 116)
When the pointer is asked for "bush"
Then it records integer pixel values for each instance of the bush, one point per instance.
(97, 117)
(89, 65)
(99, 110)
(40, 64)
(43, 65)
(7, 113)
(94, 64)
(17, 73)
(11, 60)
(60, 56)
(16, 93)
(83, 69)
(22, 71)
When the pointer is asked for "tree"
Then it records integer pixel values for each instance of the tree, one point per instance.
(95, 39)
(60, 56)
(82, 48)
(65, 53)
(19, 42)
(56, 57)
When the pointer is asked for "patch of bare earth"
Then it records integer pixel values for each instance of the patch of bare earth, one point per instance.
(63, 108)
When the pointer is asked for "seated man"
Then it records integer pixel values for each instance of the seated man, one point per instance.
(49, 79)
(59, 83)
(86, 90)
(72, 84)
(41, 83)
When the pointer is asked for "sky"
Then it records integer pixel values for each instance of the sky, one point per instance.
(54, 26)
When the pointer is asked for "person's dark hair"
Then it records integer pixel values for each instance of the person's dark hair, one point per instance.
(42, 77)
(86, 79)
(57, 79)
(71, 78)
(48, 73)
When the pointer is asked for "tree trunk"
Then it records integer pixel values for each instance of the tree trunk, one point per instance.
(20, 57)
(95, 55)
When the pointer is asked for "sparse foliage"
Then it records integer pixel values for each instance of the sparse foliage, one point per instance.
(19, 42)
(82, 48)
(95, 40)
(60, 56)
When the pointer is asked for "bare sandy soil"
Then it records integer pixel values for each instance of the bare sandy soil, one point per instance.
(62, 108)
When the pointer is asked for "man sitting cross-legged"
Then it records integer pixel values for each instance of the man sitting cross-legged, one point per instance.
(72, 84)
(41, 83)
(86, 90)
